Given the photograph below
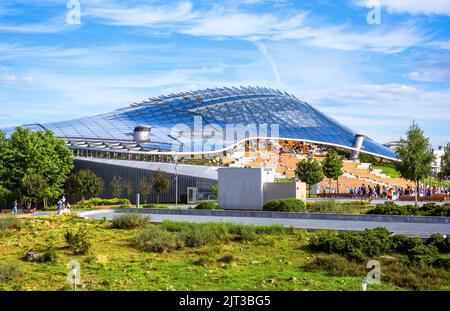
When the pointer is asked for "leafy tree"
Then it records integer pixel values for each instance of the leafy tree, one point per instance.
(415, 156)
(161, 183)
(117, 186)
(83, 183)
(445, 162)
(214, 189)
(28, 153)
(332, 167)
(34, 189)
(128, 188)
(145, 188)
(309, 171)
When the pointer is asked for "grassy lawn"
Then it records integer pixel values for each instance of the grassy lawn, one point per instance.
(271, 262)
(387, 170)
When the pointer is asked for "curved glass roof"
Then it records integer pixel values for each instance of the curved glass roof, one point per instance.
(271, 112)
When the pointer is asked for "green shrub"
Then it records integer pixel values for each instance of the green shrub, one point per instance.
(442, 262)
(50, 255)
(7, 224)
(442, 244)
(335, 265)
(285, 205)
(245, 234)
(113, 201)
(200, 235)
(439, 210)
(9, 271)
(428, 209)
(353, 245)
(152, 205)
(390, 208)
(129, 221)
(401, 244)
(422, 254)
(154, 238)
(414, 277)
(226, 259)
(331, 206)
(207, 205)
(78, 240)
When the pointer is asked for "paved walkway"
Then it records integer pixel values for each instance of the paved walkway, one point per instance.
(410, 229)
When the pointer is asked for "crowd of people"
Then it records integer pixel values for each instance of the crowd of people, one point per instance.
(370, 192)
(61, 205)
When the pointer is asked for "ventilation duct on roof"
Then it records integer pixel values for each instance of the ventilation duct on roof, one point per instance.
(357, 144)
(142, 134)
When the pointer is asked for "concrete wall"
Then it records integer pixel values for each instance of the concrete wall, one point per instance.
(284, 190)
(242, 188)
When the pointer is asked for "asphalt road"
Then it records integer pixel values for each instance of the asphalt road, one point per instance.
(410, 229)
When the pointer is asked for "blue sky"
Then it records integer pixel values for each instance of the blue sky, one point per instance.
(376, 79)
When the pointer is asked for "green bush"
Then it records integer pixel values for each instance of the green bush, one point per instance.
(390, 208)
(353, 245)
(78, 240)
(439, 210)
(207, 205)
(9, 271)
(442, 244)
(154, 238)
(50, 255)
(442, 262)
(428, 209)
(331, 206)
(129, 221)
(7, 224)
(200, 235)
(335, 265)
(152, 205)
(285, 205)
(246, 234)
(113, 201)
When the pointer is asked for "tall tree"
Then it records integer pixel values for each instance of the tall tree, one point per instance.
(117, 186)
(332, 167)
(145, 188)
(84, 183)
(27, 153)
(309, 171)
(445, 162)
(128, 188)
(34, 189)
(161, 183)
(415, 156)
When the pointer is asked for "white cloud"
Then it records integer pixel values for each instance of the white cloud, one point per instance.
(140, 15)
(389, 101)
(416, 7)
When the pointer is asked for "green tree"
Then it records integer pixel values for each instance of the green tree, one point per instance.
(309, 171)
(214, 189)
(117, 186)
(145, 188)
(83, 183)
(445, 162)
(332, 167)
(415, 156)
(27, 153)
(161, 183)
(33, 189)
(128, 188)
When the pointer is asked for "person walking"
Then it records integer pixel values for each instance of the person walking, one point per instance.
(60, 206)
(14, 207)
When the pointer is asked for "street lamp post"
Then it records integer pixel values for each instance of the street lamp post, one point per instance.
(176, 181)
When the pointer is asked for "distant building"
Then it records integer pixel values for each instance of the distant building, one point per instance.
(438, 153)
(393, 145)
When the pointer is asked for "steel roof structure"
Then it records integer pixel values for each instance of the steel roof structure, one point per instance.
(216, 108)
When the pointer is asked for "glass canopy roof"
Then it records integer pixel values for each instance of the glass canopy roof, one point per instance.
(217, 109)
